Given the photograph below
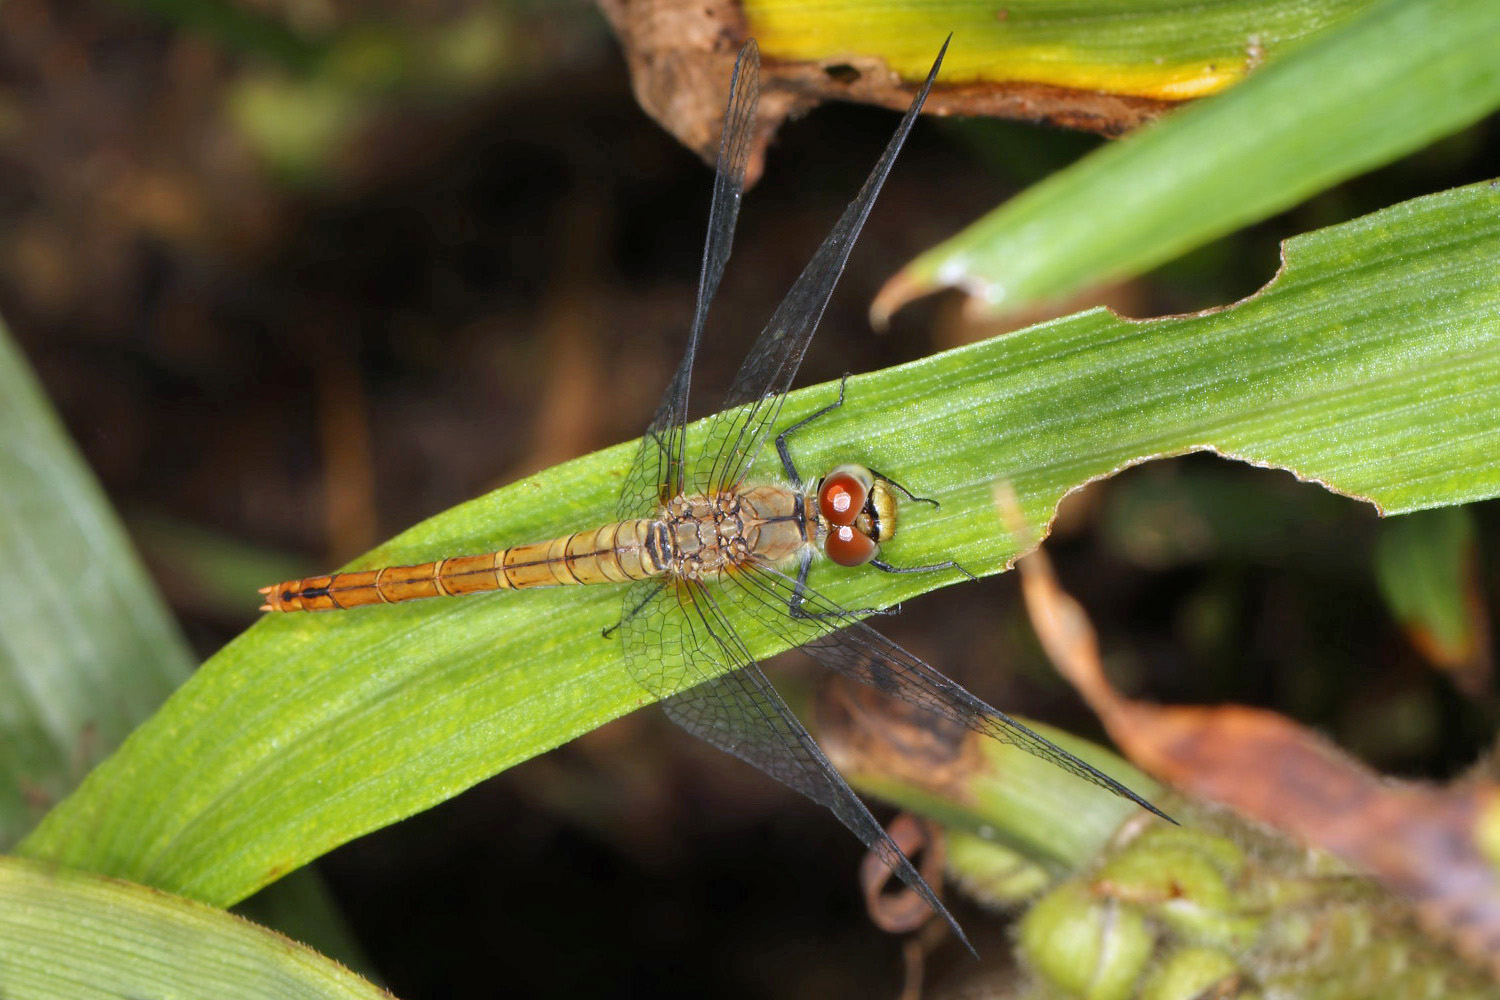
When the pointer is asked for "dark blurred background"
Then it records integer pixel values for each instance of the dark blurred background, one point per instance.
(299, 274)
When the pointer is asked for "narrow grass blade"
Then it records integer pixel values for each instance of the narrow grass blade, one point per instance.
(1358, 95)
(87, 649)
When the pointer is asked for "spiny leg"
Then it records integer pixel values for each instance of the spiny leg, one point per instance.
(908, 493)
(795, 609)
(886, 567)
(781, 445)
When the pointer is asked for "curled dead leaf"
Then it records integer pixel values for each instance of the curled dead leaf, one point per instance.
(902, 911)
(680, 56)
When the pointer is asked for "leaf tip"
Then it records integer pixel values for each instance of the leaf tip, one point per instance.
(900, 289)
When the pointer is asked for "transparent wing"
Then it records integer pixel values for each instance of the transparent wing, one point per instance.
(655, 639)
(657, 473)
(736, 435)
(740, 712)
(841, 642)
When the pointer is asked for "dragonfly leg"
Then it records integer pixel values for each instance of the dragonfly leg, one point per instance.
(886, 567)
(799, 593)
(908, 493)
(781, 448)
(646, 599)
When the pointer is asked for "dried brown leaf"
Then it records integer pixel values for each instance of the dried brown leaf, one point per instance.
(680, 57)
(1420, 840)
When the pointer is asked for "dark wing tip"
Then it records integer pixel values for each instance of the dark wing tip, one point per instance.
(1140, 801)
(1098, 777)
(963, 938)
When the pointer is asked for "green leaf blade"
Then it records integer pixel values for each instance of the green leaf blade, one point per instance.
(1163, 49)
(1372, 364)
(1425, 566)
(1343, 103)
(87, 650)
(72, 936)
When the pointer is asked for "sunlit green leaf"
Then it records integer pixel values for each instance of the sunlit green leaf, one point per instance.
(1372, 365)
(1165, 49)
(1358, 95)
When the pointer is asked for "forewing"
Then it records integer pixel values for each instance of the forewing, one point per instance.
(733, 707)
(841, 642)
(754, 400)
(657, 473)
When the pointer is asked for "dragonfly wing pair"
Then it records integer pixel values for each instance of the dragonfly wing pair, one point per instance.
(657, 474)
(860, 653)
(677, 630)
(684, 534)
(678, 634)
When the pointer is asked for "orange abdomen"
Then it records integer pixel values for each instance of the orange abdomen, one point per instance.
(615, 553)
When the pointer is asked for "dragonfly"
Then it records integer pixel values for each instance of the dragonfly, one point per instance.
(699, 543)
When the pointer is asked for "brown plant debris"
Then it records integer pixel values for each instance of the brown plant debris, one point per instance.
(1420, 840)
(680, 57)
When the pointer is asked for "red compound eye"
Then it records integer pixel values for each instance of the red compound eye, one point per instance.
(848, 547)
(841, 498)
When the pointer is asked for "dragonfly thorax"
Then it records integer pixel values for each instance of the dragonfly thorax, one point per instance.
(856, 512)
(709, 534)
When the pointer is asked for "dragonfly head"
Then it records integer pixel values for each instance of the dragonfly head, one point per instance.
(857, 511)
